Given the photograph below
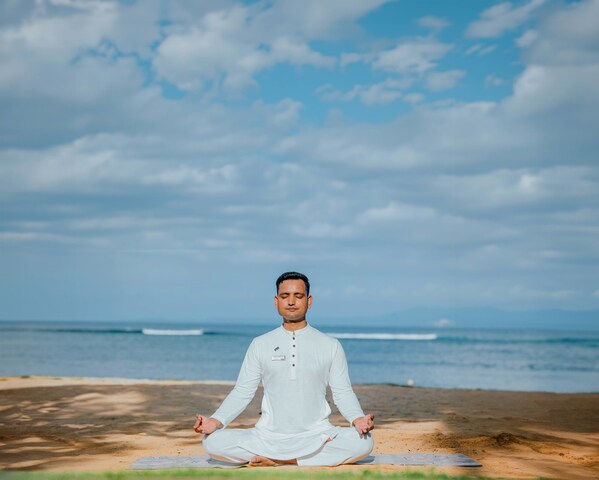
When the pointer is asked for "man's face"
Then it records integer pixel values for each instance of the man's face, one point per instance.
(292, 302)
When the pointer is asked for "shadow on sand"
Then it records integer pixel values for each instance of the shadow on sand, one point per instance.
(44, 427)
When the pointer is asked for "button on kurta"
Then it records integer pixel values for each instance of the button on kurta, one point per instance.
(293, 371)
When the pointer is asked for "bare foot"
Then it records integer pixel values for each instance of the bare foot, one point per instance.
(258, 461)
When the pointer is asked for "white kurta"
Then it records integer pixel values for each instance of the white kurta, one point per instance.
(295, 369)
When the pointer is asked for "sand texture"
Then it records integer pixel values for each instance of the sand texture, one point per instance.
(83, 424)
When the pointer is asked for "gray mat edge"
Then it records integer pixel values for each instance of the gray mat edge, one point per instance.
(420, 459)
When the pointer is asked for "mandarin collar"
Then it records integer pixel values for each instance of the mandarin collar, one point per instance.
(301, 331)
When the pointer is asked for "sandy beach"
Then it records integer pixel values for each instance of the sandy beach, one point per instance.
(90, 424)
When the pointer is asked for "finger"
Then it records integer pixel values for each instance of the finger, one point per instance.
(199, 422)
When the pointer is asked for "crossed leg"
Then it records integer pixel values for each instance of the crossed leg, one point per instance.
(347, 447)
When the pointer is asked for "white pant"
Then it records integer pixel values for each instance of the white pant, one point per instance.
(347, 447)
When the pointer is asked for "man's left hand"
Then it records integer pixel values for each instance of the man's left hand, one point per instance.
(364, 424)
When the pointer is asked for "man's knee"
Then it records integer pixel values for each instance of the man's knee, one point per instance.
(211, 443)
(359, 445)
(365, 445)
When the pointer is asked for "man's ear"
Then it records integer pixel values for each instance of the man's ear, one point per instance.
(309, 301)
(276, 302)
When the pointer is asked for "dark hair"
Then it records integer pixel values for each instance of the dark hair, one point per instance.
(294, 276)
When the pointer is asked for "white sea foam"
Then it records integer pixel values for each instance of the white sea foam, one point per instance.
(386, 336)
(153, 331)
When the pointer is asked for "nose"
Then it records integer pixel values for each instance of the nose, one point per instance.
(290, 300)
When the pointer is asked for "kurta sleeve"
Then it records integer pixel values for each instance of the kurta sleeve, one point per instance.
(343, 394)
(248, 380)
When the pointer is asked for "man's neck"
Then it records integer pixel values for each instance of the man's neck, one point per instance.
(293, 326)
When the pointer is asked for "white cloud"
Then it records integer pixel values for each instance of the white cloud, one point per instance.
(430, 135)
(227, 48)
(543, 88)
(413, 98)
(435, 23)
(37, 54)
(380, 93)
(32, 237)
(95, 163)
(527, 38)
(548, 294)
(349, 58)
(395, 212)
(191, 57)
(501, 17)
(211, 180)
(437, 81)
(473, 49)
(486, 50)
(384, 92)
(46, 238)
(415, 56)
(78, 48)
(493, 81)
(568, 37)
(519, 188)
(314, 18)
(129, 222)
(322, 230)
(75, 165)
(411, 60)
(283, 114)
(480, 49)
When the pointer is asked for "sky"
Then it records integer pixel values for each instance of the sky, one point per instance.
(168, 160)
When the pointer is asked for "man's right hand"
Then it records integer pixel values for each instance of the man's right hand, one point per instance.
(364, 424)
(206, 425)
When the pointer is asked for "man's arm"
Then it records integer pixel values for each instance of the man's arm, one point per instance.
(344, 396)
(248, 380)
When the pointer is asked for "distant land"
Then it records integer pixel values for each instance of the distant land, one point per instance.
(488, 317)
(429, 318)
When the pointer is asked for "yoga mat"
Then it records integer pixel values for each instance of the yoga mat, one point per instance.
(203, 461)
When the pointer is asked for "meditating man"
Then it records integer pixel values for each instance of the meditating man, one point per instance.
(295, 363)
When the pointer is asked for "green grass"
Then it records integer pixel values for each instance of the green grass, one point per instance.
(180, 474)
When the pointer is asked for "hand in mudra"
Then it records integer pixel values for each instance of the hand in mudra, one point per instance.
(364, 424)
(206, 425)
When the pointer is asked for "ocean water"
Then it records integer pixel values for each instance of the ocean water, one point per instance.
(525, 360)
